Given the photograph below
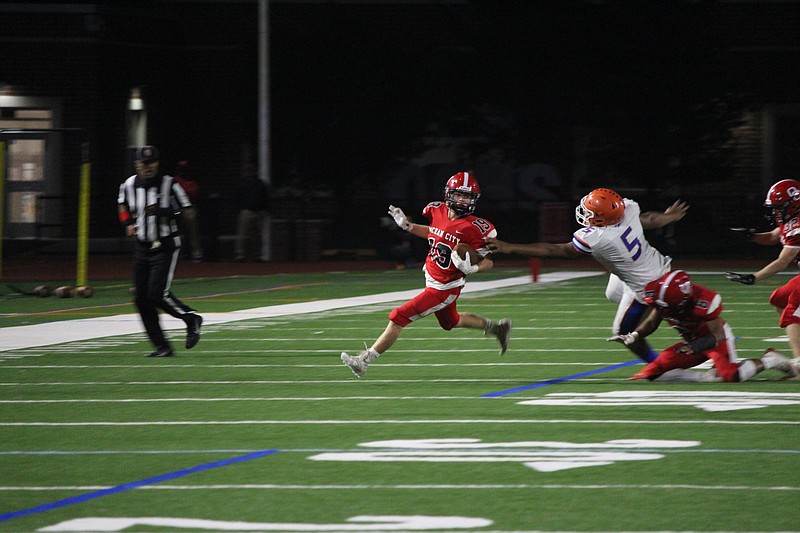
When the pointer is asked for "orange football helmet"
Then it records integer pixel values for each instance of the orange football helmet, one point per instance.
(601, 207)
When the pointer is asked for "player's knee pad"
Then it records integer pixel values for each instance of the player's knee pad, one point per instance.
(779, 298)
(399, 318)
(789, 317)
(447, 322)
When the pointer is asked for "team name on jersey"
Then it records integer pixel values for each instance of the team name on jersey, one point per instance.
(444, 235)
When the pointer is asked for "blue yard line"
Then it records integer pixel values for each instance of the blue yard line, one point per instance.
(135, 484)
(561, 380)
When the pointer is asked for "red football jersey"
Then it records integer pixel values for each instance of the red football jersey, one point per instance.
(690, 321)
(790, 233)
(443, 236)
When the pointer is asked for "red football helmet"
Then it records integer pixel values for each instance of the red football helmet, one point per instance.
(461, 193)
(601, 207)
(783, 199)
(670, 291)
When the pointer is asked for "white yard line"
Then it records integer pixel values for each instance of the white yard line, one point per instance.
(20, 337)
(479, 421)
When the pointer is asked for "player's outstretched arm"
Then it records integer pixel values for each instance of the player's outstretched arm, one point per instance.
(535, 249)
(785, 259)
(765, 238)
(656, 219)
(400, 218)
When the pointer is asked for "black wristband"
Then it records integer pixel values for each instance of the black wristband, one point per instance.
(702, 344)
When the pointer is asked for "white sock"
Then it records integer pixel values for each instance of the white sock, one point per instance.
(748, 369)
(768, 362)
(371, 355)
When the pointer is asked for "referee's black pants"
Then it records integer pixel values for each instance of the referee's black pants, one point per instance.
(154, 269)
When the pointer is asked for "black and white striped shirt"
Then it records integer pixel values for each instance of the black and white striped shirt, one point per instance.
(136, 194)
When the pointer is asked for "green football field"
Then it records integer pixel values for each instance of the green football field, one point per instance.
(262, 428)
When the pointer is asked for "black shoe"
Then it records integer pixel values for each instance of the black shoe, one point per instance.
(164, 351)
(193, 332)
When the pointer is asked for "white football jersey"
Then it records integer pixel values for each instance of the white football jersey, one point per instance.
(623, 250)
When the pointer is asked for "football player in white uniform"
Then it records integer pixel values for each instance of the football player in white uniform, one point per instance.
(613, 234)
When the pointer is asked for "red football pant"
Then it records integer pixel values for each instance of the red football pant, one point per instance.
(787, 298)
(670, 359)
(440, 303)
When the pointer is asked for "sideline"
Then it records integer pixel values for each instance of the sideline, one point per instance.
(21, 337)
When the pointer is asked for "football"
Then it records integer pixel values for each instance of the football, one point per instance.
(84, 291)
(42, 291)
(462, 249)
(64, 291)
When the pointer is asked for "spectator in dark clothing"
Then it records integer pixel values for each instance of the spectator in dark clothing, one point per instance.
(190, 227)
(251, 196)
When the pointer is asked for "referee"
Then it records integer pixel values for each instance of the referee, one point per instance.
(148, 206)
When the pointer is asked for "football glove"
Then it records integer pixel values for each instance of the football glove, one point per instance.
(399, 217)
(745, 233)
(747, 279)
(626, 339)
(464, 265)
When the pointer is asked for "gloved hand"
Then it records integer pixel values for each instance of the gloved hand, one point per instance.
(745, 233)
(464, 265)
(747, 279)
(626, 339)
(399, 217)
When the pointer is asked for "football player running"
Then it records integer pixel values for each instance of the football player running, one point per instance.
(783, 201)
(696, 312)
(449, 223)
(613, 234)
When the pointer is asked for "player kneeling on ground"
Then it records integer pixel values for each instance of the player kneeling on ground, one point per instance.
(696, 312)
(450, 223)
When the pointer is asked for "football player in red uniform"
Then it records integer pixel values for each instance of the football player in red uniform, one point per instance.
(783, 200)
(449, 223)
(696, 312)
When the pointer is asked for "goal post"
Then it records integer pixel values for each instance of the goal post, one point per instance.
(84, 201)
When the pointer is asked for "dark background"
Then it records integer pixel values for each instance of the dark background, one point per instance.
(377, 102)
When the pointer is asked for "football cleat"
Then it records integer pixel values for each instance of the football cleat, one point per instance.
(357, 364)
(193, 332)
(502, 331)
(641, 374)
(795, 362)
(776, 360)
